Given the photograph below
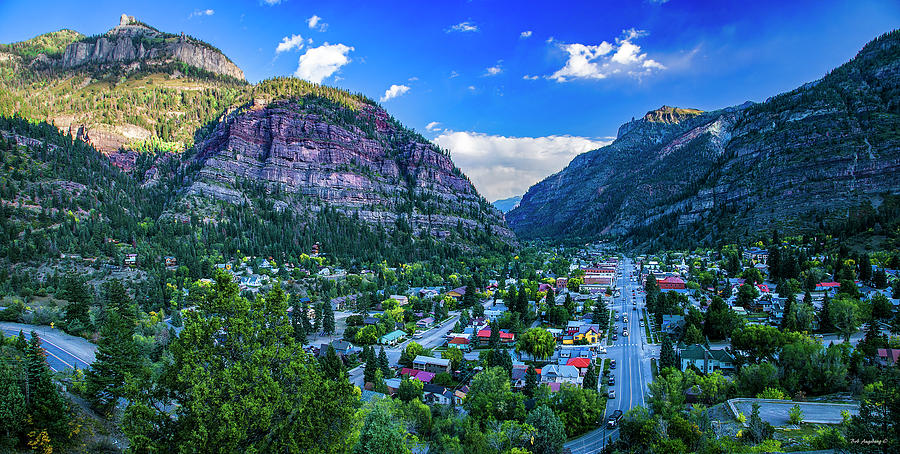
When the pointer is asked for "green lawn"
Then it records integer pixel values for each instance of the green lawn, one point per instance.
(653, 367)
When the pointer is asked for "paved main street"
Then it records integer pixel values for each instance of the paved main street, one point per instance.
(632, 354)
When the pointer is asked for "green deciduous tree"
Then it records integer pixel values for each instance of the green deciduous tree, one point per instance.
(579, 409)
(381, 433)
(409, 390)
(491, 399)
(243, 384)
(537, 342)
(844, 315)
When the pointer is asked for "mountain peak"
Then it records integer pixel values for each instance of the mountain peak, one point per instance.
(667, 114)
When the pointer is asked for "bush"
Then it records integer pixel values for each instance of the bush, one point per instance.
(796, 415)
(13, 312)
(772, 393)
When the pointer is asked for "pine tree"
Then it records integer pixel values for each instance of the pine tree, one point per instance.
(77, 318)
(299, 321)
(495, 335)
(865, 268)
(327, 318)
(371, 365)
(667, 354)
(47, 408)
(590, 378)
(825, 325)
(317, 325)
(383, 364)
(332, 366)
(531, 381)
(117, 357)
(788, 307)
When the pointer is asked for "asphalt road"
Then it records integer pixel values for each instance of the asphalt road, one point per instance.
(632, 354)
(777, 412)
(63, 350)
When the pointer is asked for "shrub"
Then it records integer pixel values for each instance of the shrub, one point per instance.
(772, 393)
(795, 415)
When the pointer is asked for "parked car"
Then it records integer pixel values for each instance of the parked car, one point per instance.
(612, 380)
(612, 364)
(612, 394)
(625, 333)
(615, 337)
(613, 419)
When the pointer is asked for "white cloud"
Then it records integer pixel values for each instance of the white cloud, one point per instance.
(466, 26)
(394, 91)
(599, 61)
(454, 74)
(321, 62)
(527, 77)
(271, 2)
(525, 34)
(494, 70)
(202, 12)
(433, 126)
(501, 166)
(315, 23)
(286, 44)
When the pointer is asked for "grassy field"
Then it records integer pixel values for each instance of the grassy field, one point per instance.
(653, 367)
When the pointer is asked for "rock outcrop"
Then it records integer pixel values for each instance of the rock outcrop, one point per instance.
(793, 162)
(359, 161)
(132, 41)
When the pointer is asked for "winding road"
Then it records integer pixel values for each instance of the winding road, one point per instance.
(64, 351)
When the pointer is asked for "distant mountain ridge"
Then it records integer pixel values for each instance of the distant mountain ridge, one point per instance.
(504, 205)
(796, 162)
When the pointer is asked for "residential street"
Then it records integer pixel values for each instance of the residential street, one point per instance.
(632, 354)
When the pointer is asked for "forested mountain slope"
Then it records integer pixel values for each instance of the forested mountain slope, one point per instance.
(800, 161)
(270, 168)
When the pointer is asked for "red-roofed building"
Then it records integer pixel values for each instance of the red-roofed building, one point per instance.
(484, 337)
(459, 342)
(671, 283)
(763, 288)
(580, 363)
(889, 355)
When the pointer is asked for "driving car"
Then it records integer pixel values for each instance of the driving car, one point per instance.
(612, 364)
(642, 324)
(612, 380)
(613, 419)
(612, 394)
(625, 333)
(615, 336)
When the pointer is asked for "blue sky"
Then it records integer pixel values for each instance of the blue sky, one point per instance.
(514, 89)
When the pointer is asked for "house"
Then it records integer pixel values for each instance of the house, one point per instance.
(704, 359)
(561, 283)
(888, 356)
(756, 255)
(560, 374)
(429, 364)
(672, 324)
(402, 299)
(457, 293)
(434, 394)
(484, 337)
(589, 334)
(131, 260)
(425, 323)
(459, 342)
(341, 347)
(170, 261)
(579, 363)
(671, 283)
(420, 375)
(392, 337)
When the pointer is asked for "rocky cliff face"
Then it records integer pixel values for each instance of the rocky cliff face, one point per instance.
(306, 155)
(793, 162)
(132, 41)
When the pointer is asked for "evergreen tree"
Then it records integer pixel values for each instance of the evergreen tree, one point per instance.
(495, 335)
(590, 378)
(117, 359)
(371, 364)
(75, 291)
(531, 381)
(299, 321)
(469, 297)
(667, 354)
(788, 307)
(880, 279)
(12, 403)
(320, 314)
(384, 365)
(550, 432)
(825, 325)
(327, 318)
(865, 268)
(47, 408)
(332, 366)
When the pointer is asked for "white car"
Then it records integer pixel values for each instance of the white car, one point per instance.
(642, 324)
(612, 394)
